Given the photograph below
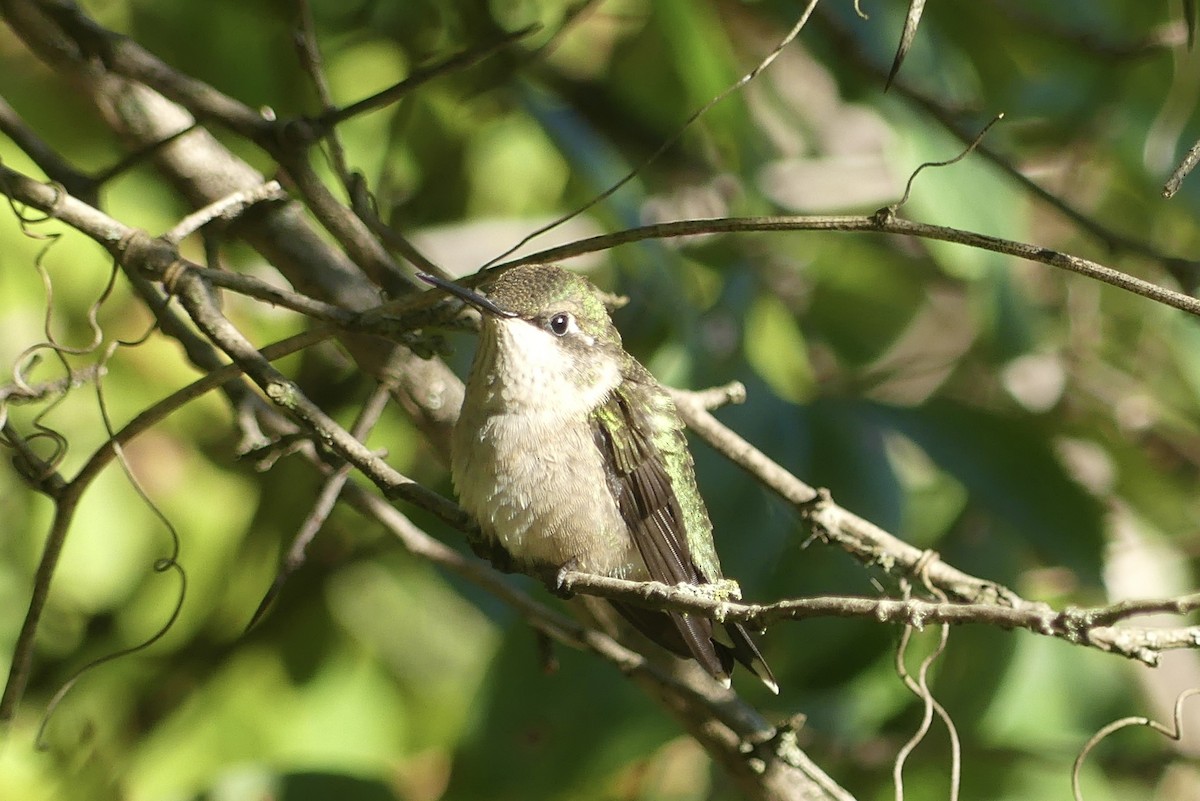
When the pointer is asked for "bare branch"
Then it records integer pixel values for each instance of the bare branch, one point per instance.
(226, 208)
(881, 222)
(1183, 170)
(1079, 626)
(65, 504)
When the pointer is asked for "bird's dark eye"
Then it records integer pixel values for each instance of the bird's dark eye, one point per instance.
(560, 324)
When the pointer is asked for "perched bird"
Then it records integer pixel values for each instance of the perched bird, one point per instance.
(570, 455)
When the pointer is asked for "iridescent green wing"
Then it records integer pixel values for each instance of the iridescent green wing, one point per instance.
(625, 431)
(650, 474)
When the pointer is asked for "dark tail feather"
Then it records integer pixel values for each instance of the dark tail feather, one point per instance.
(685, 636)
(746, 652)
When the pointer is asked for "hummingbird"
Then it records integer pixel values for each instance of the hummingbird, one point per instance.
(571, 456)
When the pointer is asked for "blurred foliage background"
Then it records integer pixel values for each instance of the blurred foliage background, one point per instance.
(1032, 426)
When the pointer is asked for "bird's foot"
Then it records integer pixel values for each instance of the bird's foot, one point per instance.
(558, 585)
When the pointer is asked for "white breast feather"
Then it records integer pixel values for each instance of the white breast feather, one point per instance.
(519, 451)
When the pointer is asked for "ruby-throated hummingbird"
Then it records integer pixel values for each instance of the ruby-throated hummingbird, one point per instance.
(570, 455)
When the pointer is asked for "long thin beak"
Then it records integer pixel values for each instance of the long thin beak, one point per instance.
(468, 295)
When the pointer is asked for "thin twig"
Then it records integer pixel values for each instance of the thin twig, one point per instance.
(420, 77)
(350, 232)
(226, 208)
(65, 504)
(309, 53)
(962, 154)
(1182, 171)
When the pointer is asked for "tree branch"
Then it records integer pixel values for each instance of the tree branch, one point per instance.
(883, 221)
(858, 537)
(1091, 627)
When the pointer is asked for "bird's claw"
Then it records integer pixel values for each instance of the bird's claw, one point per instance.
(559, 585)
